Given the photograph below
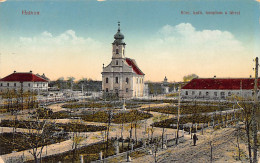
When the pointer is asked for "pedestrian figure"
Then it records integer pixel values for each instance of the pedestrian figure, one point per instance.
(195, 138)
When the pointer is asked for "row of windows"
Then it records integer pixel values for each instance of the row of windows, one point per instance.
(207, 93)
(126, 80)
(8, 85)
(117, 80)
(139, 80)
(126, 90)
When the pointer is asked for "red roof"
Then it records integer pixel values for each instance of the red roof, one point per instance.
(221, 84)
(133, 64)
(23, 77)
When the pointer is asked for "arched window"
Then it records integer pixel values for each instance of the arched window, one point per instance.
(117, 81)
(116, 62)
(106, 80)
(117, 51)
(126, 80)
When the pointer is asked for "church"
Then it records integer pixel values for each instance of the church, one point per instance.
(122, 77)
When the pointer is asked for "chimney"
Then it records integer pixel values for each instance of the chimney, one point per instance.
(30, 71)
(14, 71)
(215, 76)
(250, 76)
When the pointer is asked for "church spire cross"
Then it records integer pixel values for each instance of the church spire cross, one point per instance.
(118, 25)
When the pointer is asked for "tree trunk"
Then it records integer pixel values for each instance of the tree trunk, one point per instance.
(248, 141)
(135, 133)
(162, 137)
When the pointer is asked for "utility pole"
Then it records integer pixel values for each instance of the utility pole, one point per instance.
(254, 123)
(178, 117)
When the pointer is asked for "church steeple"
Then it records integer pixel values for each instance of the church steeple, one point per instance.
(119, 37)
(118, 45)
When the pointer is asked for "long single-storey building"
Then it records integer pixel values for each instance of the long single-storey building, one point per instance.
(219, 88)
(25, 81)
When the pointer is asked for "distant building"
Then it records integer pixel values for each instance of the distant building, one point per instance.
(122, 77)
(23, 81)
(213, 88)
(165, 86)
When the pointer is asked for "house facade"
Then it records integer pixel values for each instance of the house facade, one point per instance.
(217, 89)
(25, 81)
(122, 77)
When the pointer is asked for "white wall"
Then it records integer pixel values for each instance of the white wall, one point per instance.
(214, 94)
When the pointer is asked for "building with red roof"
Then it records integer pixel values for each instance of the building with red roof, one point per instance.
(219, 88)
(122, 77)
(23, 81)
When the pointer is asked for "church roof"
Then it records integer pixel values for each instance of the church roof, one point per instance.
(23, 77)
(132, 63)
(222, 84)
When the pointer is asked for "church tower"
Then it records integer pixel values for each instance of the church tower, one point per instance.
(122, 77)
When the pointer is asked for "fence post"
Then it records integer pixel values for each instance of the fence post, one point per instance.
(202, 128)
(190, 133)
(117, 149)
(100, 155)
(196, 127)
(81, 159)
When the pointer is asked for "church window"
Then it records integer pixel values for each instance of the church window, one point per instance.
(126, 80)
(117, 81)
(117, 51)
(126, 90)
(106, 89)
(116, 62)
(106, 80)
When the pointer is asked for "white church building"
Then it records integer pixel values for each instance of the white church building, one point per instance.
(122, 77)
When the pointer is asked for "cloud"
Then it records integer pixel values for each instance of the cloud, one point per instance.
(185, 39)
(66, 41)
(64, 54)
(2, 1)
(183, 49)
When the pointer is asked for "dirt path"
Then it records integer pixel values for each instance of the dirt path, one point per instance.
(224, 148)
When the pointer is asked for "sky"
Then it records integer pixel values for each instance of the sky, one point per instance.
(73, 37)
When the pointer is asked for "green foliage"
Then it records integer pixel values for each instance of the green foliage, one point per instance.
(123, 117)
(7, 144)
(189, 77)
(187, 109)
(195, 118)
(67, 127)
